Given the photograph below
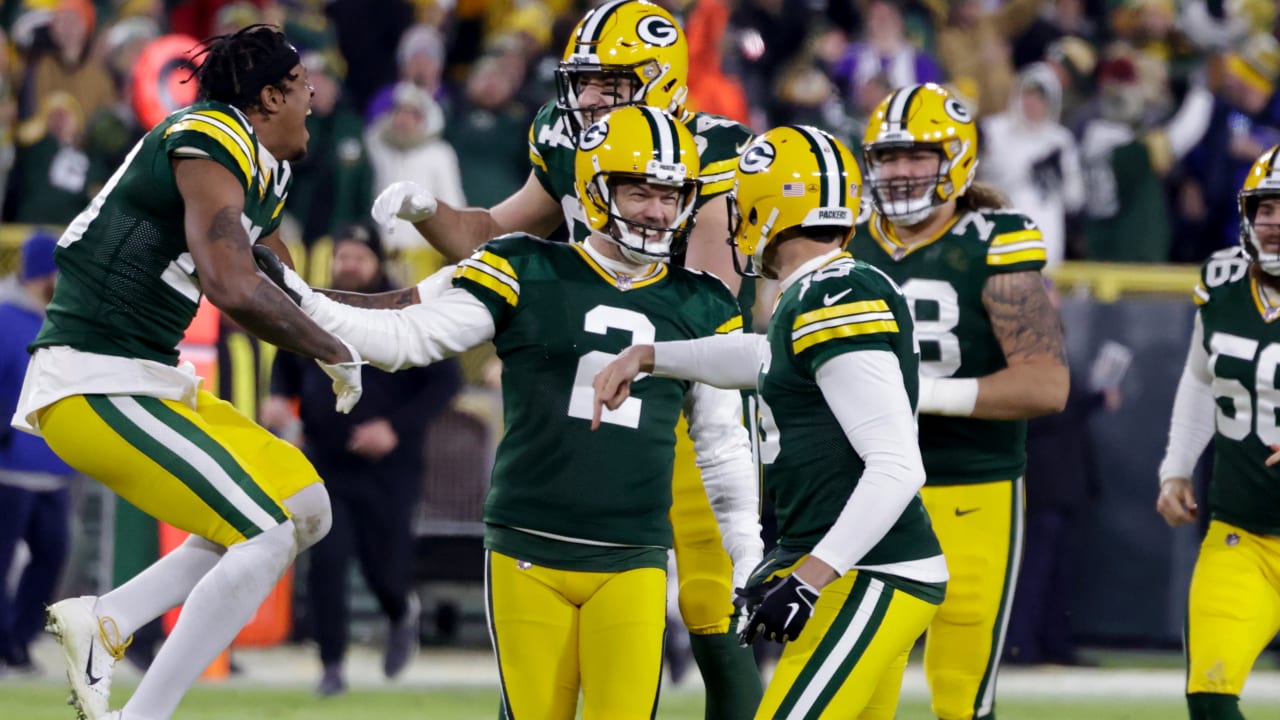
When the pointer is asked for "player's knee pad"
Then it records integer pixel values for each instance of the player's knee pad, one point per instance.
(706, 606)
(312, 514)
(1213, 706)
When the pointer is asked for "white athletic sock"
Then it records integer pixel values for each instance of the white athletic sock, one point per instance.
(161, 587)
(217, 609)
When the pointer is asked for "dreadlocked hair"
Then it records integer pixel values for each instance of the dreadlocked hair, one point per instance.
(231, 66)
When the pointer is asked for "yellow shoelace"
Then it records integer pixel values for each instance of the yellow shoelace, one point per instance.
(115, 648)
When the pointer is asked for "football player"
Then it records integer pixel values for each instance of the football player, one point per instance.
(627, 52)
(1228, 394)
(858, 573)
(991, 356)
(105, 388)
(576, 522)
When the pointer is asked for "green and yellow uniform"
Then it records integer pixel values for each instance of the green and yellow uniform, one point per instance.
(1234, 606)
(576, 521)
(105, 389)
(849, 660)
(974, 466)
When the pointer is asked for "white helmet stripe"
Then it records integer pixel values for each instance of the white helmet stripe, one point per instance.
(591, 30)
(827, 165)
(896, 114)
(665, 136)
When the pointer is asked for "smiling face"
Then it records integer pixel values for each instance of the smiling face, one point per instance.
(652, 208)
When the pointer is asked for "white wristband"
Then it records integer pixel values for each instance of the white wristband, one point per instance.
(948, 396)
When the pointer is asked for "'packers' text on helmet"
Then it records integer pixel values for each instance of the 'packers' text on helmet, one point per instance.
(919, 118)
(1263, 181)
(791, 176)
(638, 145)
(636, 49)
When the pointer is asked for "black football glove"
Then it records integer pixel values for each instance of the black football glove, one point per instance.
(271, 266)
(783, 613)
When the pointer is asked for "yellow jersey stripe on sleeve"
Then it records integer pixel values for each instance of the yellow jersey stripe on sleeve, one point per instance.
(535, 159)
(717, 188)
(836, 311)
(499, 263)
(1012, 258)
(480, 277)
(221, 136)
(1018, 236)
(844, 331)
(734, 324)
(1200, 294)
(231, 124)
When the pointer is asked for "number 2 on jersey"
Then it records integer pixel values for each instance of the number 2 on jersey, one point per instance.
(600, 320)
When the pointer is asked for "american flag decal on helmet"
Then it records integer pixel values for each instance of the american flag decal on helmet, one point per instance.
(793, 189)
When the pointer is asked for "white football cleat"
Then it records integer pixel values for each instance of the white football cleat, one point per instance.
(90, 647)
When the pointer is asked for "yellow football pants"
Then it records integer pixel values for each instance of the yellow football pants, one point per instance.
(703, 568)
(210, 471)
(980, 529)
(1234, 608)
(848, 661)
(556, 632)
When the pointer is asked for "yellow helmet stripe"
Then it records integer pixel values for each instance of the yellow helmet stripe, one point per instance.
(896, 114)
(593, 24)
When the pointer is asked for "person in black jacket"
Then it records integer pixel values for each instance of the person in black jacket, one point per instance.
(371, 461)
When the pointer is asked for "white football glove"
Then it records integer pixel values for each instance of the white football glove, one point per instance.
(406, 200)
(346, 379)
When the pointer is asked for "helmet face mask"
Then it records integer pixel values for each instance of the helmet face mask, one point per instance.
(624, 45)
(910, 128)
(637, 178)
(1259, 204)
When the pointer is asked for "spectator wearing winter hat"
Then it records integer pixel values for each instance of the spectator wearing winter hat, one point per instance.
(420, 59)
(407, 144)
(35, 499)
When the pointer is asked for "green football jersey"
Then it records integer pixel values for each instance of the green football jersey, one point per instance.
(127, 284)
(553, 148)
(1243, 344)
(943, 279)
(561, 494)
(810, 469)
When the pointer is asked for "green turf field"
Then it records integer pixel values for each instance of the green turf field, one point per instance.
(45, 702)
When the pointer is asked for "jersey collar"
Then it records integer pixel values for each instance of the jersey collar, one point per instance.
(886, 236)
(809, 266)
(619, 281)
(1268, 305)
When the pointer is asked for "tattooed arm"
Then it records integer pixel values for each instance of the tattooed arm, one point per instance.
(1026, 324)
(223, 256)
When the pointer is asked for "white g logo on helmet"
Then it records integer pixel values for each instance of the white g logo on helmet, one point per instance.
(657, 30)
(757, 158)
(594, 136)
(957, 110)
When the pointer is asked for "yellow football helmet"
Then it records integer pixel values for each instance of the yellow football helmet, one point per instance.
(645, 145)
(920, 117)
(1263, 181)
(634, 43)
(791, 176)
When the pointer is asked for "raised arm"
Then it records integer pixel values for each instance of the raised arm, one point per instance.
(223, 257)
(457, 232)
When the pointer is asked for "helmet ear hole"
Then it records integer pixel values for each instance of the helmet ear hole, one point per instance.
(753, 218)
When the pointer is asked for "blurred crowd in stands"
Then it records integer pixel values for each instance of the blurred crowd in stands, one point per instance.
(1124, 127)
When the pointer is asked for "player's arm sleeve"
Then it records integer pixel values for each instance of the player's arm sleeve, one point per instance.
(865, 392)
(216, 136)
(1017, 250)
(726, 360)
(453, 322)
(723, 456)
(1192, 425)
